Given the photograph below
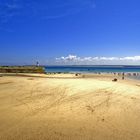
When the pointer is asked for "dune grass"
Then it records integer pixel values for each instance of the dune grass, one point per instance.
(21, 69)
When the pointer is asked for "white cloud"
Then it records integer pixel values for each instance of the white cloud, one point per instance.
(69, 58)
(134, 58)
(74, 59)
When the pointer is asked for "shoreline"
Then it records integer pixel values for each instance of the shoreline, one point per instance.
(77, 75)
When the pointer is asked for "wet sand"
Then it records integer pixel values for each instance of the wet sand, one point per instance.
(66, 107)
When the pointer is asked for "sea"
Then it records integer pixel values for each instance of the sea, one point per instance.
(92, 69)
(134, 71)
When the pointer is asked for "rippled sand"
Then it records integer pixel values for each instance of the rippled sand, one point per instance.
(66, 107)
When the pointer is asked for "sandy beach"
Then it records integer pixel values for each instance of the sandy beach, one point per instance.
(66, 107)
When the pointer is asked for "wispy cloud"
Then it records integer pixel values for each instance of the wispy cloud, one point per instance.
(12, 6)
(6, 29)
(64, 14)
(11, 10)
(8, 10)
(45, 10)
(74, 59)
(72, 8)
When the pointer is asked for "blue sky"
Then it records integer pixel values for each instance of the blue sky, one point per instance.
(69, 31)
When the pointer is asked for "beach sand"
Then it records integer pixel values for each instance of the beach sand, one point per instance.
(66, 107)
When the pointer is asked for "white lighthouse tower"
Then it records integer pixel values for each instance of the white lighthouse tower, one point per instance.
(37, 64)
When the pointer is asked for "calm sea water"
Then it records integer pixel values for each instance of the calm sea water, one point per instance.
(92, 69)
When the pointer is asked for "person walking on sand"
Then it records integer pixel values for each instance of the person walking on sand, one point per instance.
(123, 76)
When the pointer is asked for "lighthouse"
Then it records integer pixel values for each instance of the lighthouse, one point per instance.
(37, 64)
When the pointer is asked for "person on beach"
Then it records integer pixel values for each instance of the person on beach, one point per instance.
(123, 76)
